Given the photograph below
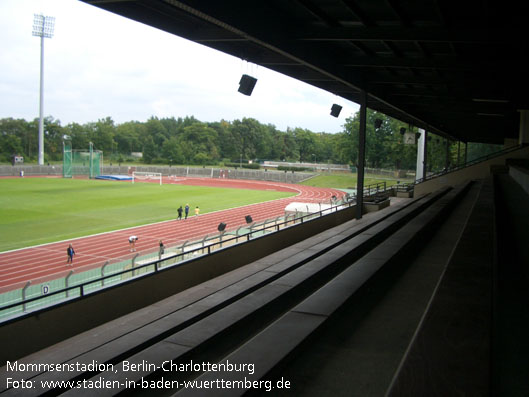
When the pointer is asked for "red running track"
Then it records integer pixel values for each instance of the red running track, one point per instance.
(48, 261)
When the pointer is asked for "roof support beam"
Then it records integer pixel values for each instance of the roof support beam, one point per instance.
(361, 155)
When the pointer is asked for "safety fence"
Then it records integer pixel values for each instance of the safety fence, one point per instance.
(38, 295)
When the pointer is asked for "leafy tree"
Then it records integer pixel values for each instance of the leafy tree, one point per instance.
(79, 135)
(248, 132)
(10, 144)
(128, 136)
(53, 138)
(172, 126)
(384, 145)
(201, 158)
(228, 146)
(305, 143)
(199, 138)
(172, 151)
(101, 134)
(156, 129)
(150, 152)
(27, 134)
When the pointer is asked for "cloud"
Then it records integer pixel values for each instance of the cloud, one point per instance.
(99, 64)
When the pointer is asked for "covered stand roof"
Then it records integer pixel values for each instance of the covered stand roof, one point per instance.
(456, 68)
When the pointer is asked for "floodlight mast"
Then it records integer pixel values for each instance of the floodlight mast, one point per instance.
(42, 27)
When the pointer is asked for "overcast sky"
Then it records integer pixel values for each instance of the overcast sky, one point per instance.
(99, 64)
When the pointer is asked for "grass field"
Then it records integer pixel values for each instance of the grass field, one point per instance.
(41, 210)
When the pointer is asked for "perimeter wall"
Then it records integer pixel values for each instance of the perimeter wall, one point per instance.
(201, 172)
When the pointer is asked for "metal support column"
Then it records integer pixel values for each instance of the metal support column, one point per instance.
(425, 157)
(361, 155)
(420, 155)
(447, 159)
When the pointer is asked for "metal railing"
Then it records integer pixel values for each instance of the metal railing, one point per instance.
(469, 163)
(374, 188)
(53, 292)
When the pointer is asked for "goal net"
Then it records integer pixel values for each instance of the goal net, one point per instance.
(139, 176)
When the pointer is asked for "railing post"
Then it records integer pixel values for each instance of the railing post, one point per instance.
(204, 242)
(133, 263)
(183, 249)
(67, 282)
(24, 295)
(276, 223)
(103, 273)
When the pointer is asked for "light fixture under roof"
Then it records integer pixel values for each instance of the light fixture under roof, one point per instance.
(490, 100)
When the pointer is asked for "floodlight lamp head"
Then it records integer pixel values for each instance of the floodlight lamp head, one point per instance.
(43, 26)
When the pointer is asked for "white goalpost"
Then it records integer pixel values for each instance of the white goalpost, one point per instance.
(138, 176)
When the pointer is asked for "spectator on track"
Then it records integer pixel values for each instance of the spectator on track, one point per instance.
(197, 211)
(187, 210)
(180, 213)
(132, 243)
(70, 252)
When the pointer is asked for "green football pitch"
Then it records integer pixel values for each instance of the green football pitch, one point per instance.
(41, 210)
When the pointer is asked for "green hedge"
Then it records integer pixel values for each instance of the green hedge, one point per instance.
(293, 169)
(253, 166)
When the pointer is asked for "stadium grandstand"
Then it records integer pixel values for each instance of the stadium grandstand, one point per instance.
(425, 297)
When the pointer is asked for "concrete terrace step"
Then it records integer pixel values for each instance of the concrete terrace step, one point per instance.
(451, 351)
(276, 342)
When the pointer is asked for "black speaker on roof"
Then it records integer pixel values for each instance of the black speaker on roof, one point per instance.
(246, 84)
(221, 227)
(248, 219)
(335, 110)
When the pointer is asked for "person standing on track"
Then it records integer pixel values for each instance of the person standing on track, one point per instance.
(132, 243)
(197, 211)
(70, 252)
(187, 210)
(180, 213)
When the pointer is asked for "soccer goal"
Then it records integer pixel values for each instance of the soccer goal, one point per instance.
(139, 176)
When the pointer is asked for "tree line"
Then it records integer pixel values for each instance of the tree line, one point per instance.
(190, 141)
